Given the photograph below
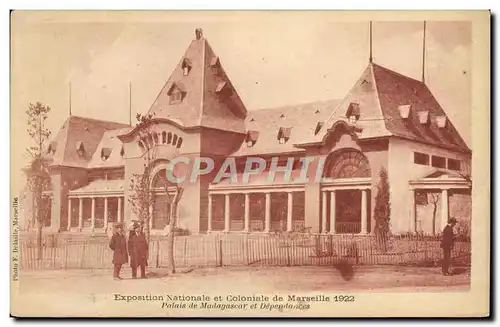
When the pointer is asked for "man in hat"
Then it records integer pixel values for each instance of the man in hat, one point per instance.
(138, 249)
(118, 244)
(447, 244)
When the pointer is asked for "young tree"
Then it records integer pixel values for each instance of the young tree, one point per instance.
(142, 197)
(382, 212)
(38, 176)
(434, 200)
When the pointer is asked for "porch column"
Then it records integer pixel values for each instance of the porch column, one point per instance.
(289, 216)
(444, 209)
(413, 213)
(332, 212)
(227, 216)
(80, 213)
(323, 211)
(364, 216)
(92, 216)
(105, 213)
(267, 224)
(119, 213)
(209, 227)
(69, 213)
(247, 212)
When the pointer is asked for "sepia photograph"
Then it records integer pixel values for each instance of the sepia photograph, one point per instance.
(249, 164)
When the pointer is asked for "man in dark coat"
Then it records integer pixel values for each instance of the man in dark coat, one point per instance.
(138, 250)
(447, 244)
(118, 244)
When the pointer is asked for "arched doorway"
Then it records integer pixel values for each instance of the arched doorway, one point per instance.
(346, 199)
(163, 190)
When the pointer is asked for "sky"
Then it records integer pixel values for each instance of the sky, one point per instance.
(273, 59)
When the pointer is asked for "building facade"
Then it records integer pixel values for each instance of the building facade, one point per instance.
(387, 121)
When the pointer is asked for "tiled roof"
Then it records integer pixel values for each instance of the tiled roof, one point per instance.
(115, 186)
(302, 119)
(109, 141)
(381, 97)
(395, 90)
(202, 104)
(78, 131)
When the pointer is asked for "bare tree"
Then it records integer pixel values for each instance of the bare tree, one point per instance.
(434, 200)
(38, 176)
(142, 198)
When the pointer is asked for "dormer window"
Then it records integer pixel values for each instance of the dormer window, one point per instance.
(52, 148)
(284, 134)
(319, 126)
(223, 89)
(353, 113)
(215, 65)
(105, 153)
(186, 66)
(176, 93)
(423, 117)
(80, 149)
(251, 138)
(404, 111)
(441, 121)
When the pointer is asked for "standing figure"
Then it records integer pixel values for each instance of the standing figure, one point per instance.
(447, 244)
(118, 244)
(138, 249)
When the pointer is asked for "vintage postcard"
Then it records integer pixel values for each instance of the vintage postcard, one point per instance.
(250, 164)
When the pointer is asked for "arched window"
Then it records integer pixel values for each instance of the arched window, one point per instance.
(179, 142)
(164, 137)
(155, 137)
(347, 163)
(169, 138)
(174, 142)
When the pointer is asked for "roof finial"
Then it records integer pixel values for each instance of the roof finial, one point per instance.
(371, 57)
(423, 58)
(70, 99)
(199, 33)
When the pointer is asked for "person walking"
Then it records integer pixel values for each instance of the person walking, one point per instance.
(118, 244)
(138, 249)
(447, 241)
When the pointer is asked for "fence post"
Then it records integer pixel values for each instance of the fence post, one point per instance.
(157, 254)
(220, 252)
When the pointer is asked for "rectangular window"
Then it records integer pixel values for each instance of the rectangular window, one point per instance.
(454, 164)
(438, 162)
(420, 158)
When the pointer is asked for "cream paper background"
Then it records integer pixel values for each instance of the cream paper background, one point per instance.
(472, 303)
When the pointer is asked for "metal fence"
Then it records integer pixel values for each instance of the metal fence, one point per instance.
(246, 250)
